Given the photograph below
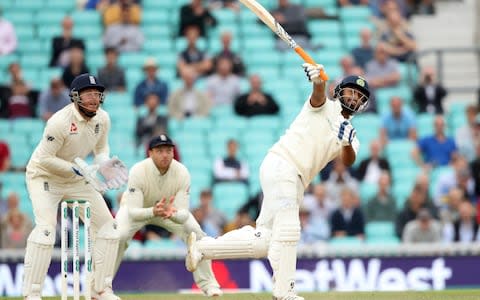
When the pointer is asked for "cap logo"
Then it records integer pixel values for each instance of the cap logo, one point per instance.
(163, 137)
(360, 82)
(92, 79)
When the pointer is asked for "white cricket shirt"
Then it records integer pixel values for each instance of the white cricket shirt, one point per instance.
(66, 136)
(311, 140)
(146, 186)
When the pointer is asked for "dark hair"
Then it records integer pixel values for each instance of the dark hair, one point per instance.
(110, 49)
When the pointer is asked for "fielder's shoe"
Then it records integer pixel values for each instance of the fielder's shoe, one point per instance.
(289, 296)
(107, 294)
(213, 291)
(193, 256)
(33, 298)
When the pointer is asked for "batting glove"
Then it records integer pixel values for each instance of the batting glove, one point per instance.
(346, 132)
(115, 173)
(89, 173)
(313, 72)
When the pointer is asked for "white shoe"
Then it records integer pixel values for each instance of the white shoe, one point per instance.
(33, 298)
(107, 294)
(193, 256)
(290, 296)
(213, 291)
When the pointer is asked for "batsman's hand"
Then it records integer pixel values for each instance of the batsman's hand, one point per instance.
(164, 209)
(115, 173)
(313, 72)
(89, 173)
(345, 131)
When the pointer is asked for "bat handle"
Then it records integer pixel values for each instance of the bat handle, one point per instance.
(308, 59)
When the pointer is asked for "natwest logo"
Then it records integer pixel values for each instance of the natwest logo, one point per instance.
(357, 275)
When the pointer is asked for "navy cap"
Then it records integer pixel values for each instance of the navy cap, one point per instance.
(160, 140)
(85, 81)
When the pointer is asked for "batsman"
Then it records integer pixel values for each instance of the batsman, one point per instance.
(158, 194)
(57, 171)
(321, 132)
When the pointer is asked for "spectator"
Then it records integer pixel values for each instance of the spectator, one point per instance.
(458, 176)
(292, 17)
(53, 99)
(348, 67)
(125, 36)
(381, 8)
(256, 101)
(15, 73)
(398, 123)
(207, 225)
(151, 84)
(424, 229)
(230, 168)
(20, 105)
(475, 169)
(215, 217)
(152, 123)
(319, 204)
(437, 149)
(370, 169)
(223, 86)
(227, 52)
(449, 212)
(17, 83)
(62, 44)
(417, 200)
(339, 179)
(469, 134)
(112, 76)
(192, 57)
(312, 230)
(113, 13)
(428, 95)
(348, 219)
(382, 71)
(399, 42)
(189, 101)
(343, 3)
(363, 53)
(195, 14)
(8, 37)
(5, 158)
(382, 207)
(242, 218)
(15, 230)
(465, 228)
(76, 66)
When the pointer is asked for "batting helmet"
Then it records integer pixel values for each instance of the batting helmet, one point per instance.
(360, 85)
(82, 82)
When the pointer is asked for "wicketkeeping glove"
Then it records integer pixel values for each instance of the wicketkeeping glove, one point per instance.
(313, 72)
(89, 173)
(115, 173)
(346, 132)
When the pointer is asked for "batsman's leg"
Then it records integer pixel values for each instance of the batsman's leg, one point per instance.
(37, 259)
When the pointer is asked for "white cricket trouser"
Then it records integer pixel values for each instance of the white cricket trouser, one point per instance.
(203, 276)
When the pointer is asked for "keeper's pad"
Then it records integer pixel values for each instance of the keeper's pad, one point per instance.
(37, 259)
(282, 253)
(104, 256)
(246, 242)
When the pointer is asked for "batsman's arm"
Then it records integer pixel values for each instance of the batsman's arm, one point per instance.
(319, 95)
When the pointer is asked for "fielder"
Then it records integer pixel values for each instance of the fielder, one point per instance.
(158, 194)
(320, 133)
(69, 136)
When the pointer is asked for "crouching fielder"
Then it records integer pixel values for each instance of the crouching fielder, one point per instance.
(56, 171)
(158, 191)
(321, 132)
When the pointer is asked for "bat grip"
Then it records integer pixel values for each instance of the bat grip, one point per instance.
(308, 59)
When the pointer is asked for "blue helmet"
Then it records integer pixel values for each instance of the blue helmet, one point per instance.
(82, 82)
(357, 83)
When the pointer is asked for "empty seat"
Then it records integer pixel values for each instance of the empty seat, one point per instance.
(228, 197)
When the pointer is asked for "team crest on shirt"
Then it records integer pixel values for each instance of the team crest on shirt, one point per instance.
(73, 128)
(97, 128)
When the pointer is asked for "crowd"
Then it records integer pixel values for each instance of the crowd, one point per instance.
(436, 209)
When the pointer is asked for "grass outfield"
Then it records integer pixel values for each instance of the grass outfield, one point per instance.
(437, 295)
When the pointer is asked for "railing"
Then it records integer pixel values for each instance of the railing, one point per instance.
(440, 54)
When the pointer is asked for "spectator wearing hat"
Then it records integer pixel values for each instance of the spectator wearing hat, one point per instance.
(428, 94)
(151, 84)
(469, 134)
(53, 99)
(230, 168)
(424, 229)
(112, 76)
(62, 44)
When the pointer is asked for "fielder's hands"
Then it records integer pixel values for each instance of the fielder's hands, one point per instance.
(114, 172)
(164, 208)
(345, 131)
(313, 72)
(89, 173)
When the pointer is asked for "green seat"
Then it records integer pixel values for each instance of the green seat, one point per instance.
(157, 32)
(324, 28)
(86, 18)
(263, 123)
(320, 3)
(27, 126)
(345, 242)
(217, 141)
(154, 46)
(367, 191)
(197, 124)
(132, 60)
(401, 192)
(355, 13)
(24, 32)
(181, 44)
(225, 16)
(65, 6)
(231, 123)
(352, 41)
(13, 180)
(37, 60)
(157, 5)
(155, 17)
(385, 94)
(20, 19)
(353, 28)
(269, 59)
(425, 124)
(47, 32)
(405, 173)
(228, 197)
(7, 60)
(29, 5)
(50, 17)
(88, 31)
(399, 149)
(390, 241)
(222, 111)
(162, 243)
(259, 45)
(255, 30)
(380, 229)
